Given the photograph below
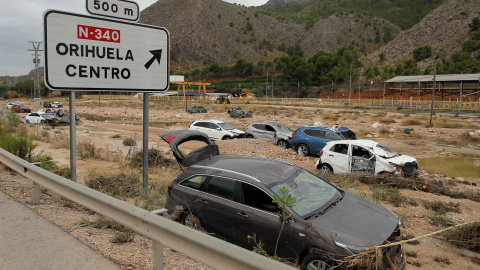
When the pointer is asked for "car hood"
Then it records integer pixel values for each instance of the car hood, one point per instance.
(401, 159)
(356, 221)
(236, 131)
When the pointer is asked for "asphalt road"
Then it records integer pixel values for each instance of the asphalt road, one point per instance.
(28, 241)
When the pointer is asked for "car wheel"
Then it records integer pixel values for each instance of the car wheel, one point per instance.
(42, 122)
(77, 117)
(249, 136)
(227, 138)
(22, 111)
(303, 150)
(189, 219)
(60, 112)
(325, 168)
(282, 143)
(48, 110)
(27, 121)
(315, 261)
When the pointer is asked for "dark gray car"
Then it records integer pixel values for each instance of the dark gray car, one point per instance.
(276, 133)
(232, 197)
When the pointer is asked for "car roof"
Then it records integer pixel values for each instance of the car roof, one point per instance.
(209, 120)
(316, 127)
(271, 123)
(368, 143)
(256, 169)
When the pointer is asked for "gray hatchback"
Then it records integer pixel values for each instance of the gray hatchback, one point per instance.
(232, 197)
(276, 133)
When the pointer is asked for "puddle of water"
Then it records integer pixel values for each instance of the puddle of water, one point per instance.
(450, 166)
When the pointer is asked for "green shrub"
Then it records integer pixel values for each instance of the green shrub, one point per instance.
(442, 220)
(128, 141)
(19, 144)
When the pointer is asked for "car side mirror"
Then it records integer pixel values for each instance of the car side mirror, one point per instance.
(219, 129)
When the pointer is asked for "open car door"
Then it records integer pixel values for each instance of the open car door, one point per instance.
(176, 138)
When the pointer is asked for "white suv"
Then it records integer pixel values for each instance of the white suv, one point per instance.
(217, 130)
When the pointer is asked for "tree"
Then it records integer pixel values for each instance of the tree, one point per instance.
(422, 52)
(382, 57)
(469, 46)
(475, 25)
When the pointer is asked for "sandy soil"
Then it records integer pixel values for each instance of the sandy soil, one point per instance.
(124, 119)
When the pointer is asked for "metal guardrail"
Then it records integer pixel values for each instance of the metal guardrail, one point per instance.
(207, 249)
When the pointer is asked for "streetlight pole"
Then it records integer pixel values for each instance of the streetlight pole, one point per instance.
(350, 91)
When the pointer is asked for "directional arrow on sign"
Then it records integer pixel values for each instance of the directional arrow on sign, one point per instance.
(157, 55)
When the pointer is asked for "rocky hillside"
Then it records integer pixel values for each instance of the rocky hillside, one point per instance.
(207, 31)
(444, 29)
(12, 80)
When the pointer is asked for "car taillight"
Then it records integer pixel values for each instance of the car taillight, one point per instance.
(168, 139)
(294, 134)
(321, 153)
(170, 186)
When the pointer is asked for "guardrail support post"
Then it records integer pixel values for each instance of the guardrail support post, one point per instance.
(36, 193)
(157, 256)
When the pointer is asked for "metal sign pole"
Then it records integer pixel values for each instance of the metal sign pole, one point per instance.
(146, 98)
(73, 139)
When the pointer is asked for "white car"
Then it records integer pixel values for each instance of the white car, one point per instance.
(34, 118)
(9, 105)
(364, 156)
(217, 130)
(56, 104)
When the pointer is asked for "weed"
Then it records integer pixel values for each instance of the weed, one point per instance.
(404, 220)
(442, 208)
(442, 220)
(377, 194)
(465, 237)
(442, 260)
(330, 116)
(122, 184)
(19, 143)
(387, 120)
(128, 141)
(124, 237)
(116, 136)
(411, 122)
(411, 254)
(156, 158)
(86, 149)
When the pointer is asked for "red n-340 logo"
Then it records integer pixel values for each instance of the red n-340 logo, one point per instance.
(98, 33)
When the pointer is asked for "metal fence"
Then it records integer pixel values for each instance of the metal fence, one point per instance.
(450, 105)
(211, 251)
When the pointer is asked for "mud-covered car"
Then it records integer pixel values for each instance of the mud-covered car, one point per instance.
(311, 139)
(20, 108)
(364, 156)
(239, 113)
(57, 116)
(232, 197)
(196, 109)
(276, 133)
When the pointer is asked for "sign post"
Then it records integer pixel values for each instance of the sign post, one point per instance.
(101, 54)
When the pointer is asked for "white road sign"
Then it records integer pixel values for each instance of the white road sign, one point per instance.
(89, 53)
(121, 9)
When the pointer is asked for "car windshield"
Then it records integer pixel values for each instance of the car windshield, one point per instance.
(311, 193)
(21, 106)
(282, 127)
(225, 126)
(384, 151)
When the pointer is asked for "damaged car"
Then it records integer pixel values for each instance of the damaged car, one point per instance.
(364, 156)
(196, 109)
(276, 133)
(232, 197)
(309, 140)
(216, 129)
(239, 113)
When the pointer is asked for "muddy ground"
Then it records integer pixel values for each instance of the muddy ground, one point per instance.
(446, 153)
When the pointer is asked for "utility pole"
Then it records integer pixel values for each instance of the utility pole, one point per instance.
(433, 96)
(37, 99)
(350, 91)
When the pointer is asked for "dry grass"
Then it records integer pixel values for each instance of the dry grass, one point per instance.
(466, 237)
(411, 121)
(86, 149)
(387, 120)
(123, 184)
(60, 140)
(330, 116)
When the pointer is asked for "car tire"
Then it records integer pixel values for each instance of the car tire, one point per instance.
(249, 136)
(42, 122)
(227, 137)
(191, 220)
(48, 110)
(282, 143)
(60, 112)
(325, 168)
(22, 111)
(77, 117)
(27, 121)
(315, 261)
(303, 150)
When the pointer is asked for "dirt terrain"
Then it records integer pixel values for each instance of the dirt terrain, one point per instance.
(107, 123)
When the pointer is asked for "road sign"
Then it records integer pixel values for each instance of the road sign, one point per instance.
(89, 53)
(122, 9)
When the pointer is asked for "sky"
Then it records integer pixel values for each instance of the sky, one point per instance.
(21, 21)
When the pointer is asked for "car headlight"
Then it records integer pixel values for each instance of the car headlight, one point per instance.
(352, 249)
